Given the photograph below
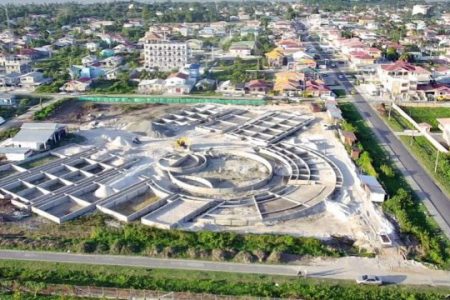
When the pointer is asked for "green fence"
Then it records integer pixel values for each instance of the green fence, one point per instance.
(170, 100)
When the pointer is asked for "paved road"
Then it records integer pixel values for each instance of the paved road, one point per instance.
(18, 120)
(343, 268)
(424, 185)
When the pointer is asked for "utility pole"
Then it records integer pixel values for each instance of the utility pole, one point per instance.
(436, 163)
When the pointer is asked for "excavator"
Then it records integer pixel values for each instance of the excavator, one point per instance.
(182, 143)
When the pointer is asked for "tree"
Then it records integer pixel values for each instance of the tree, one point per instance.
(407, 57)
(391, 54)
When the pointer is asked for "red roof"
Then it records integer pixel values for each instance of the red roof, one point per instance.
(316, 85)
(179, 75)
(404, 66)
(256, 83)
(360, 55)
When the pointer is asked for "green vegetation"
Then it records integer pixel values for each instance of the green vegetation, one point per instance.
(239, 71)
(23, 104)
(23, 296)
(420, 146)
(427, 114)
(6, 134)
(39, 161)
(119, 86)
(93, 234)
(403, 204)
(207, 282)
(48, 111)
(340, 93)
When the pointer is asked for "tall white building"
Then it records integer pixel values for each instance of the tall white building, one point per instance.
(163, 54)
(420, 9)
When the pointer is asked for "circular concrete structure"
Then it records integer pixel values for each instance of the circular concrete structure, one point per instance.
(250, 186)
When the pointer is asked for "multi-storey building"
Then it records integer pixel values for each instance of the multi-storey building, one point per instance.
(163, 54)
(401, 78)
(14, 64)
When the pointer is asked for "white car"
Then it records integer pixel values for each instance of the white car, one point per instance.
(2, 121)
(369, 280)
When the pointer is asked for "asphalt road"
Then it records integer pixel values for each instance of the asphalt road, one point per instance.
(426, 187)
(347, 268)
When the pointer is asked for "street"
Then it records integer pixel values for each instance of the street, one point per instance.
(422, 183)
(347, 268)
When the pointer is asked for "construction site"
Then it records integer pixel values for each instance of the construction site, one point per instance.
(250, 169)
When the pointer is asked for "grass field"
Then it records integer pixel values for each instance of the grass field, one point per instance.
(427, 114)
(421, 148)
(208, 282)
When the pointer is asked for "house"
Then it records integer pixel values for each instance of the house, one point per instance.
(89, 72)
(8, 100)
(80, 85)
(290, 46)
(227, 88)
(178, 84)
(33, 79)
(360, 59)
(14, 64)
(444, 125)
(92, 46)
(316, 88)
(275, 58)
(242, 48)
(334, 113)
(151, 86)
(373, 189)
(38, 136)
(11, 79)
(111, 62)
(301, 60)
(433, 91)
(257, 87)
(289, 83)
(89, 60)
(348, 138)
(111, 74)
(401, 78)
(205, 84)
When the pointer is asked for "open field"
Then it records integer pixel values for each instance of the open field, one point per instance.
(422, 149)
(427, 114)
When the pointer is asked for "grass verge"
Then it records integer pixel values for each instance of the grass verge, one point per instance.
(403, 205)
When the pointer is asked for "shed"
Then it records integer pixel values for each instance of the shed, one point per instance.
(373, 188)
(16, 154)
(348, 137)
(38, 136)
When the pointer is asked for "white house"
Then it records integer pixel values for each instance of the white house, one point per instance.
(92, 46)
(151, 86)
(178, 83)
(33, 79)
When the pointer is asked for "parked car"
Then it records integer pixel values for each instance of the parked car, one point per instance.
(369, 280)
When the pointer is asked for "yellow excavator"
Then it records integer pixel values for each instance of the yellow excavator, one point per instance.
(182, 143)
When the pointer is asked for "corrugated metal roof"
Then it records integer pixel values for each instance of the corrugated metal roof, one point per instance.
(36, 132)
